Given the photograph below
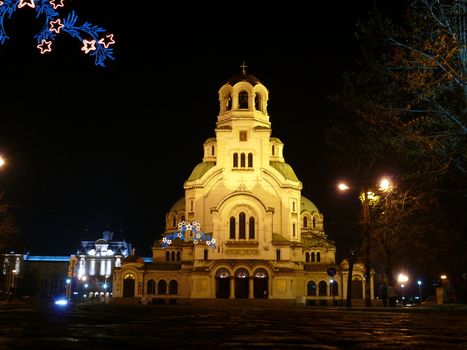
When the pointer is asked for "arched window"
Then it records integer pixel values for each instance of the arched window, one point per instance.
(212, 150)
(162, 287)
(322, 289)
(305, 221)
(314, 222)
(205, 254)
(222, 273)
(294, 228)
(151, 287)
(243, 100)
(318, 257)
(313, 257)
(278, 254)
(173, 287)
(242, 160)
(258, 102)
(167, 256)
(173, 256)
(273, 149)
(183, 217)
(178, 256)
(307, 257)
(174, 221)
(241, 226)
(235, 160)
(251, 228)
(232, 228)
(242, 273)
(228, 103)
(250, 160)
(311, 288)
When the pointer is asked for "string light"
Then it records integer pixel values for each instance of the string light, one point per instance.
(98, 41)
(190, 226)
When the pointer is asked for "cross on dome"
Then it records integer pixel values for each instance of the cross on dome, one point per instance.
(243, 67)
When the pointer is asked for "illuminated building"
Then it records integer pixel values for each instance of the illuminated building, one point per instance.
(270, 240)
(90, 269)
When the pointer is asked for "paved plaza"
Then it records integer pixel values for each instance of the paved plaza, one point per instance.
(101, 326)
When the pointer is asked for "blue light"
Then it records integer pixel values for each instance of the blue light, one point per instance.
(99, 43)
(61, 302)
(46, 258)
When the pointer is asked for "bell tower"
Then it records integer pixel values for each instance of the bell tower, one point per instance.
(243, 99)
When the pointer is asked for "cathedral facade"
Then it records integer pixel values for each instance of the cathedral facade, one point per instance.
(267, 241)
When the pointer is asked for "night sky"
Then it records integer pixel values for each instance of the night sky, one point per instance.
(91, 147)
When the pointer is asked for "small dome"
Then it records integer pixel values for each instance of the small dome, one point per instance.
(133, 259)
(178, 206)
(308, 205)
(237, 78)
(199, 171)
(275, 139)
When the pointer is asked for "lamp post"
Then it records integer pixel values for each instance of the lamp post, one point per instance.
(420, 290)
(68, 289)
(365, 196)
(11, 285)
(402, 279)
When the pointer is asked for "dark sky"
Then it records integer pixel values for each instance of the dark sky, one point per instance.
(91, 146)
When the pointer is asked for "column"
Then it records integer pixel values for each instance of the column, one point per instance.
(251, 287)
(232, 287)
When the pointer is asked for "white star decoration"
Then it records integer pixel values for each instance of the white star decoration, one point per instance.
(88, 45)
(56, 3)
(29, 3)
(56, 26)
(45, 46)
(107, 41)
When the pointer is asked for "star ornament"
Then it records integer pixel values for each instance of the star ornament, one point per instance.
(29, 3)
(45, 46)
(88, 45)
(107, 41)
(56, 3)
(56, 26)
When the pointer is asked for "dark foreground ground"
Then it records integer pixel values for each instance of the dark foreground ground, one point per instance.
(102, 326)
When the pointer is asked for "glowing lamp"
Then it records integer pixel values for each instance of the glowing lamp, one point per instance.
(342, 187)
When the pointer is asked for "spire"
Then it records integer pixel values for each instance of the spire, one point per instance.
(243, 67)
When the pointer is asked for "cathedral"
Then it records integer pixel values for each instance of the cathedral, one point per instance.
(243, 230)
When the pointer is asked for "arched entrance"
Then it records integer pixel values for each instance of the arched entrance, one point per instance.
(357, 287)
(129, 285)
(223, 284)
(241, 284)
(260, 285)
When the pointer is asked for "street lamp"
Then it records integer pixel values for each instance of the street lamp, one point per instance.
(2, 161)
(367, 196)
(402, 279)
